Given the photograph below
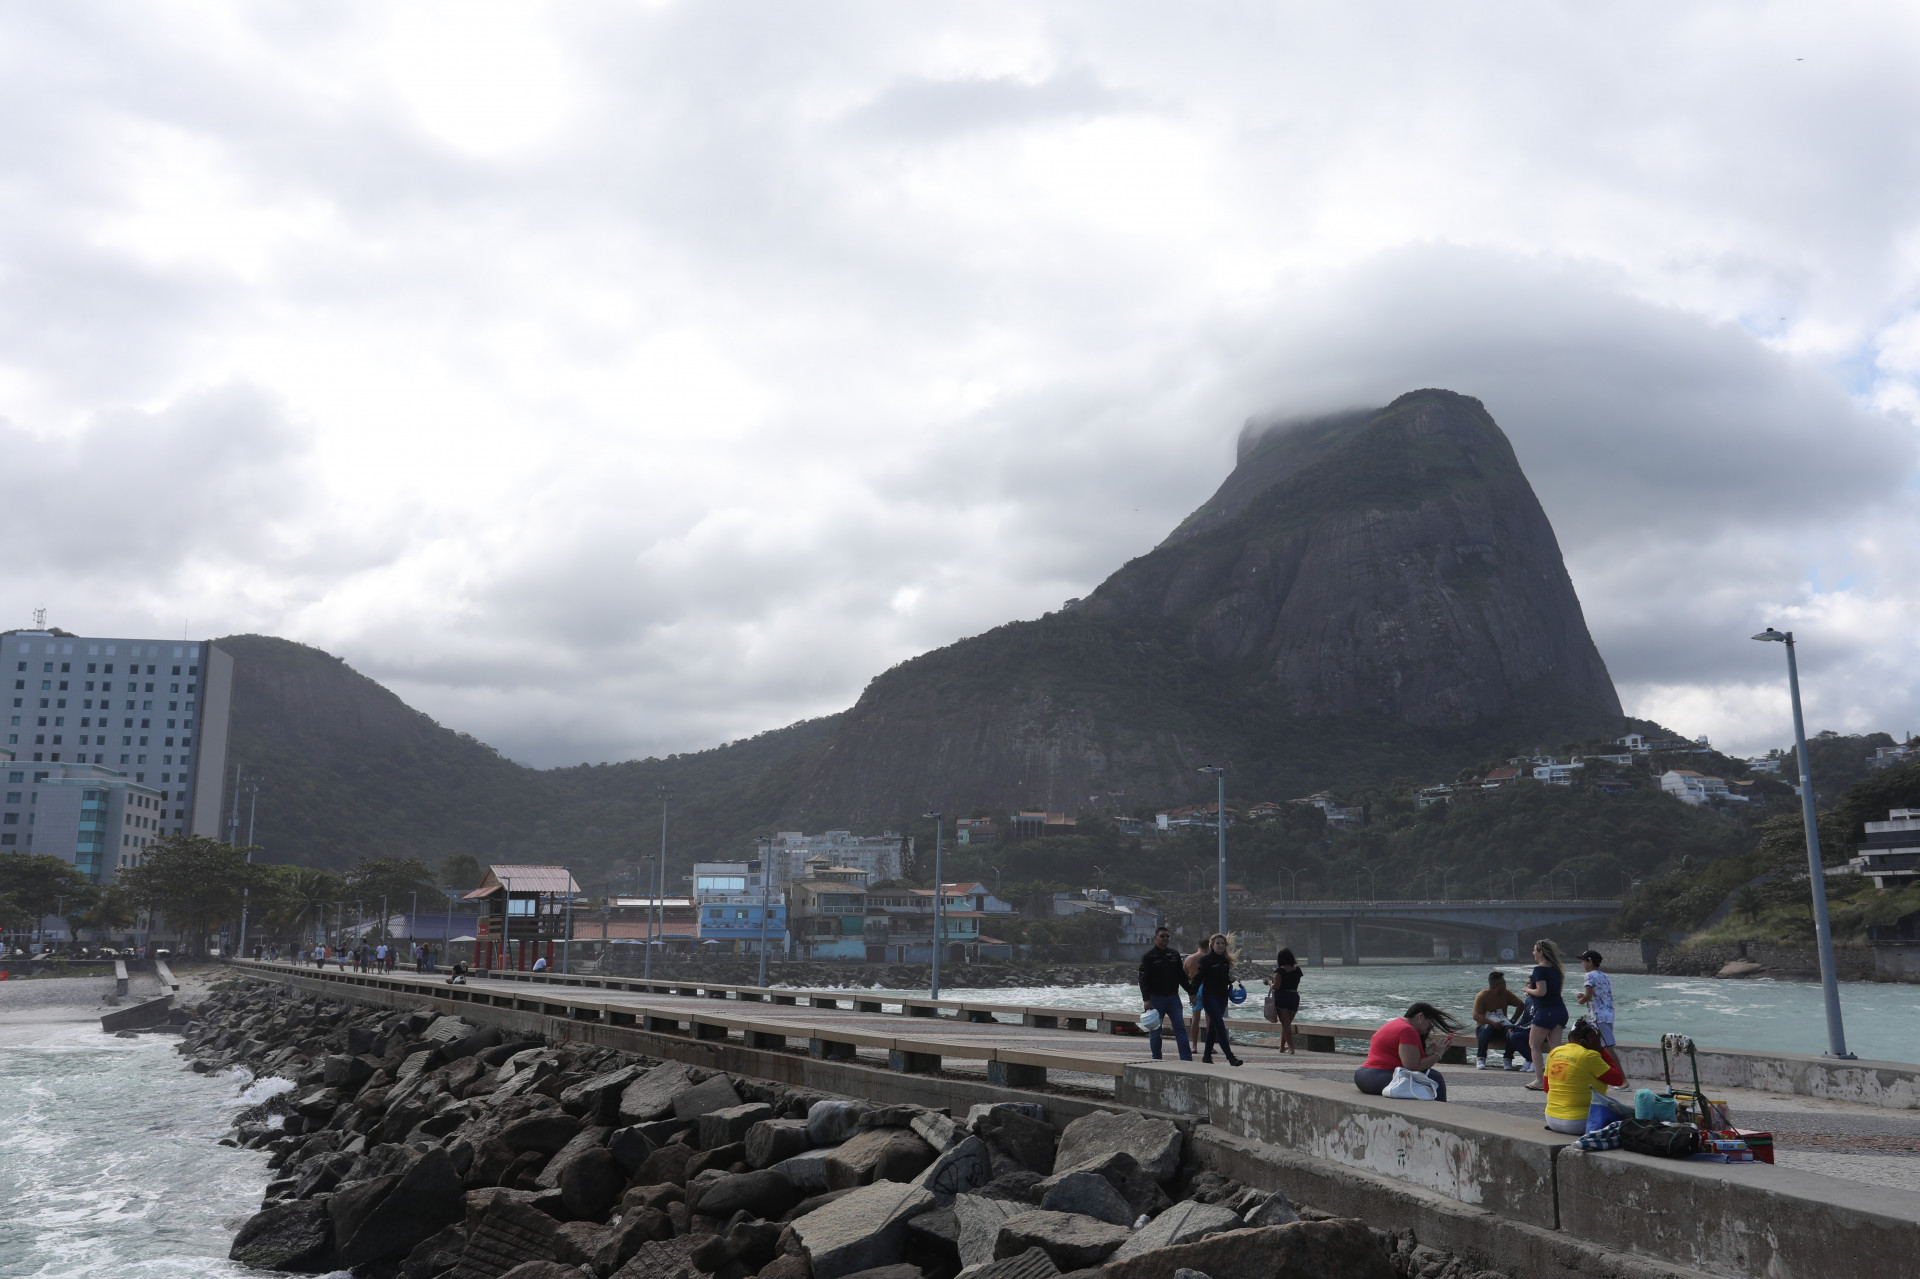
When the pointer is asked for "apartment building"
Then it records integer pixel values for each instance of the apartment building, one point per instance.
(731, 897)
(788, 853)
(142, 722)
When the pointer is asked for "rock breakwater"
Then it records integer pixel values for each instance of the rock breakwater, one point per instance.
(418, 1146)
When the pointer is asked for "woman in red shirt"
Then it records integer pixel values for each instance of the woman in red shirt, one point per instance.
(1407, 1041)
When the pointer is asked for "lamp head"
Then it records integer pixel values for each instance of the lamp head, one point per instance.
(1212, 769)
(1778, 637)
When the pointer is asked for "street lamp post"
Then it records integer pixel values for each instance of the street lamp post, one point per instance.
(652, 865)
(766, 891)
(1220, 824)
(1293, 881)
(938, 849)
(1371, 891)
(661, 871)
(566, 938)
(1445, 871)
(1816, 871)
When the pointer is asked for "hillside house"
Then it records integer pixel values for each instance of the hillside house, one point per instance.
(1690, 787)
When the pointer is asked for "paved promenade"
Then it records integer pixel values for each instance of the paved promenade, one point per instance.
(973, 1036)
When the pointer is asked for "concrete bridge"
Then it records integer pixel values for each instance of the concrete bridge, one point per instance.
(1496, 929)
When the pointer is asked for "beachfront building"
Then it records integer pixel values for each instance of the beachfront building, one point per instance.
(880, 857)
(828, 907)
(900, 924)
(525, 914)
(730, 898)
(106, 715)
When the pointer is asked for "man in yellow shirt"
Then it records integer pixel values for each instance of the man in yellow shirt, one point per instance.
(1575, 1071)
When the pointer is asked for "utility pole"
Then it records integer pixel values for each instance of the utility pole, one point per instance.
(1220, 824)
(1816, 870)
(661, 871)
(766, 891)
(566, 938)
(937, 850)
(253, 810)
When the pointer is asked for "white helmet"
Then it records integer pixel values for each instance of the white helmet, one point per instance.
(1150, 1020)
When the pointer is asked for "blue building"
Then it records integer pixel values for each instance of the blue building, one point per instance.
(730, 898)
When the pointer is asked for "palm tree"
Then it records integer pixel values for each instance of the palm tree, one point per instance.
(302, 900)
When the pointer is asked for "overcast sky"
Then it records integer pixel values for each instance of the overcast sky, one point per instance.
(621, 379)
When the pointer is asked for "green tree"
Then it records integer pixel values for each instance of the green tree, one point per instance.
(39, 885)
(301, 896)
(195, 881)
(395, 879)
(461, 870)
(1750, 903)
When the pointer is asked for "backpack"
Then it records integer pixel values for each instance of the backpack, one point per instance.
(1666, 1141)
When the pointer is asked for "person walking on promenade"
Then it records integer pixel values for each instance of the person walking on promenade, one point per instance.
(1285, 996)
(1492, 1013)
(1574, 1072)
(1409, 1041)
(1191, 967)
(1597, 995)
(1215, 980)
(1163, 976)
(1544, 1004)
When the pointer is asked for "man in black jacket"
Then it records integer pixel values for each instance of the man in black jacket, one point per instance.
(1163, 976)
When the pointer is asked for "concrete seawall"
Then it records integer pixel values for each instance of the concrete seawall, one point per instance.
(1546, 1193)
(1490, 1186)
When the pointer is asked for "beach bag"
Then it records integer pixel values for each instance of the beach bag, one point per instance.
(1269, 1009)
(1664, 1141)
(1411, 1085)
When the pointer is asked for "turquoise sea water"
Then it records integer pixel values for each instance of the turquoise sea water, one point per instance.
(1882, 1018)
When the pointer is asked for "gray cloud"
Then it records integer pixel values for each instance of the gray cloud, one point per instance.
(614, 382)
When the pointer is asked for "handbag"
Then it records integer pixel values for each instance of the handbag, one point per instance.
(1411, 1085)
(1269, 1009)
(1665, 1141)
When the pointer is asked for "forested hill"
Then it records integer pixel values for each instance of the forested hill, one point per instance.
(350, 770)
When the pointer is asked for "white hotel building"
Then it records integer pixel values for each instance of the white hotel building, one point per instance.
(110, 744)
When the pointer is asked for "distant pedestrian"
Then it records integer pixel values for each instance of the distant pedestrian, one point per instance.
(1162, 977)
(1408, 1041)
(1597, 995)
(1215, 980)
(540, 964)
(1493, 1014)
(1283, 1004)
(1544, 1004)
(458, 977)
(1574, 1072)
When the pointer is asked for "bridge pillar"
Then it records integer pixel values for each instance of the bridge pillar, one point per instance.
(1316, 946)
(1508, 946)
(1443, 948)
(1350, 942)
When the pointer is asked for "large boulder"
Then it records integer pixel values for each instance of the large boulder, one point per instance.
(717, 1093)
(979, 1220)
(650, 1096)
(1273, 1210)
(297, 1236)
(878, 1154)
(1154, 1143)
(597, 1100)
(435, 1254)
(638, 1226)
(662, 1259)
(966, 1166)
(1090, 1195)
(351, 1206)
(543, 1270)
(583, 1141)
(730, 1124)
(861, 1230)
(508, 1233)
(426, 1198)
(630, 1146)
(665, 1165)
(808, 1170)
(546, 1131)
(347, 1073)
(1031, 1264)
(832, 1121)
(765, 1194)
(746, 1246)
(1074, 1242)
(1182, 1223)
(1342, 1247)
(592, 1184)
(937, 1129)
(771, 1140)
(1142, 1193)
(1016, 1140)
